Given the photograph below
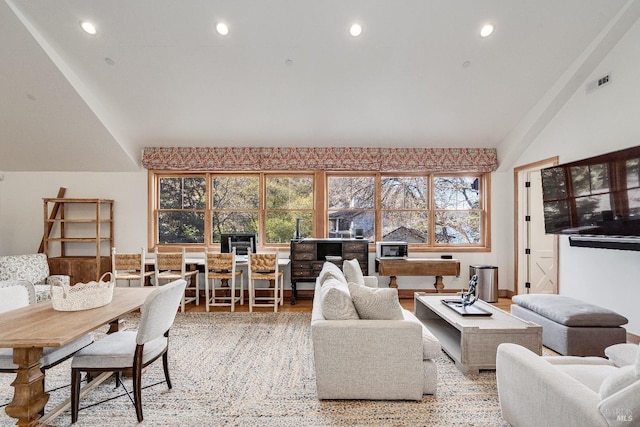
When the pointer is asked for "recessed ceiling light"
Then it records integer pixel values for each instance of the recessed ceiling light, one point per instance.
(486, 30)
(88, 27)
(355, 30)
(222, 28)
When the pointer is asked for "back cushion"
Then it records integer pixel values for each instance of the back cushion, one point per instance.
(13, 297)
(330, 271)
(353, 272)
(336, 301)
(376, 303)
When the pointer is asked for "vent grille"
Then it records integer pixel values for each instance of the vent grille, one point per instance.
(599, 82)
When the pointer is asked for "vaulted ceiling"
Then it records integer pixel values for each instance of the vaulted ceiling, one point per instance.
(157, 73)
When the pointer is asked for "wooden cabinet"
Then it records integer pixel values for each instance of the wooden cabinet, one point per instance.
(78, 237)
(308, 256)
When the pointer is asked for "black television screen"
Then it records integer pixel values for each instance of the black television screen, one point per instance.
(243, 242)
(595, 196)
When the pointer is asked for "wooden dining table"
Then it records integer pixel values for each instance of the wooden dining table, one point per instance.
(29, 329)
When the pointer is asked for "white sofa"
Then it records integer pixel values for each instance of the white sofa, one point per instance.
(33, 268)
(370, 359)
(566, 391)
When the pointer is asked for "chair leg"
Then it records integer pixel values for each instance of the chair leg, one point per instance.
(251, 296)
(233, 294)
(137, 388)
(75, 394)
(165, 366)
(206, 291)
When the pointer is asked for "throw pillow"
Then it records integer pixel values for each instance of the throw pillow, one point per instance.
(352, 271)
(330, 271)
(376, 303)
(622, 378)
(336, 301)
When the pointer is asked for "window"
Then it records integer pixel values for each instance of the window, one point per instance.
(433, 212)
(289, 199)
(351, 202)
(403, 201)
(180, 214)
(458, 214)
(236, 203)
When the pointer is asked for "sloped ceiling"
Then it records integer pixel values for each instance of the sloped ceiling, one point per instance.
(288, 74)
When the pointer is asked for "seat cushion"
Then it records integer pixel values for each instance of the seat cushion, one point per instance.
(336, 301)
(50, 355)
(431, 347)
(116, 351)
(376, 303)
(569, 311)
(591, 376)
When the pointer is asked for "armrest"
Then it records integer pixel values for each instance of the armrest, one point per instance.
(622, 408)
(533, 392)
(368, 359)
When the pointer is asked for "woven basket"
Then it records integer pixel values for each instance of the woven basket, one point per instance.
(82, 296)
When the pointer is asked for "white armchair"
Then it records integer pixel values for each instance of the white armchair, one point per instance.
(566, 391)
(33, 268)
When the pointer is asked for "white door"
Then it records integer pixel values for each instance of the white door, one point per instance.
(536, 253)
(541, 263)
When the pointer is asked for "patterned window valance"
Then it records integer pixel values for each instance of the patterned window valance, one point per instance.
(321, 158)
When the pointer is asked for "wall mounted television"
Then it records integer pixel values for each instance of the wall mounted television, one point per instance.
(243, 242)
(596, 201)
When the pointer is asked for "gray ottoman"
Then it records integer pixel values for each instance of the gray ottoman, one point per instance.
(569, 326)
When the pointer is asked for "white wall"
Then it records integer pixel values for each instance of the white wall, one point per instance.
(22, 213)
(604, 120)
(21, 219)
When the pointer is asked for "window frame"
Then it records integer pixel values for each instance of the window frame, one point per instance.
(320, 226)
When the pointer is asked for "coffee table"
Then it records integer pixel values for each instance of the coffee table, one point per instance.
(472, 341)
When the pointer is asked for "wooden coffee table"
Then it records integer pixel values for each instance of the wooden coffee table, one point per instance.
(472, 341)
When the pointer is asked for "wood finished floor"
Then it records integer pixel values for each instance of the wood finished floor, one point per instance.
(304, 304)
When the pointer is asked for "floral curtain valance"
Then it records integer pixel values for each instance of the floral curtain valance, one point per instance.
(321, 158)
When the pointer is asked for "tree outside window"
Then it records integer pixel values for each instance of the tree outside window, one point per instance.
(181, 207)
(405, 216)
(458, 214)
(236, 203)
(289, 199)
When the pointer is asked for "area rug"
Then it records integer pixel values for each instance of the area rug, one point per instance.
(256, 369)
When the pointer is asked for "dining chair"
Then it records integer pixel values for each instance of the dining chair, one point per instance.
(19, 293)
(265, 267)
(222, 267)
(129, 266)
(132, 350)
(172, 266)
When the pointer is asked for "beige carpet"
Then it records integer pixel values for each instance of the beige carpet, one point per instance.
(241, 369)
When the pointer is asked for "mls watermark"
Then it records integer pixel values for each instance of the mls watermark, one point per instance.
(618, 414)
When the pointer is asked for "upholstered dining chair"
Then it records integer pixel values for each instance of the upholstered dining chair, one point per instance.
(133, 350)
(222, 268)
(265, 267)
(172, 266)
(129, 266)
(19, 293)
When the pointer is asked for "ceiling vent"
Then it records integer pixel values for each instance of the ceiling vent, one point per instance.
(599, 82)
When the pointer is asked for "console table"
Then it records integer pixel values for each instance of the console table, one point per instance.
(472, 341)
(418, 267)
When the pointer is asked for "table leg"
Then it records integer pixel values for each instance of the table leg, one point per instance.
(29, 398)
(393, 282)
(439, 285)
